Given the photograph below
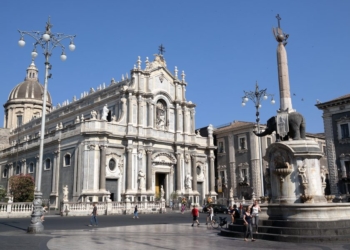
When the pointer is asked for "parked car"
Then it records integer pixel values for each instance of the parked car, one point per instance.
(218, 208)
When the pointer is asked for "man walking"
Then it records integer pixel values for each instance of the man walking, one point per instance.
(195, 214)
(93, 216)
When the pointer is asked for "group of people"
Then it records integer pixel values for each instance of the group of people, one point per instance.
(250, 217)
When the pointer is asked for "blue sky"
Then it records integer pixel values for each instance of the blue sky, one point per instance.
(223, 46)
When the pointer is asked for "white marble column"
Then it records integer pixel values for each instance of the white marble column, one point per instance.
(24, 166)
(178, 172)
(194, 172)
(149, 170)
(140, 103)
(178, 119)
(185, 120)
(103, 167)
(130, 107)
(129, 169)
(193, 123)
(283, 78)
(150, 113)
(55, 172)
(9, 171)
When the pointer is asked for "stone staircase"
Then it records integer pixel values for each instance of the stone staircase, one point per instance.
(294, 231)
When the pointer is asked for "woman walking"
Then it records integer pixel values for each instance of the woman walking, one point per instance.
(248, 223)
(255, 215)
(182, 208)
(136, 215)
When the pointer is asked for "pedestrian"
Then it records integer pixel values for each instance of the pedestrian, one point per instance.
(210, 214)
(195, 214)
(234, 214)
(255, 215)
(182, 208)
(43, 212)
(247, 219)
(136, 215)
(93, 219)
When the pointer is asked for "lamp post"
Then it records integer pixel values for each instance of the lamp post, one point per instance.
(256, 96)
(47, 41)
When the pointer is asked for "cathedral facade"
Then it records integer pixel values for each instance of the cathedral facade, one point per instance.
(132, 140)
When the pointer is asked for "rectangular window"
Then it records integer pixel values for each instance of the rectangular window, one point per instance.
(242, 143)
(19, 120)
(221, 147)
(344, 130)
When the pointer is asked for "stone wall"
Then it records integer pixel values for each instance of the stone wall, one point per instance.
(4, 137)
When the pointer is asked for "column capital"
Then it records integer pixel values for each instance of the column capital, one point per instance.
(37, 157)
(149, 151)
(10, 165)
(56, 152)
(193, 155)
(211, 157)
(103, 146)
(129, 149)
(23, 160)
(91, 147)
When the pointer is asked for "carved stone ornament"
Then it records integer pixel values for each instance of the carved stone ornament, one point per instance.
(91, 147)
(93, 115)
(302, 174)
(164, 158)
(187, 158)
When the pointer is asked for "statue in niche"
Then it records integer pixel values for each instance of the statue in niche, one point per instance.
(104, 113)
(302, 174)
(142, 180)
(160, 115)
(188, 182)
(161, 192)
(65, 193)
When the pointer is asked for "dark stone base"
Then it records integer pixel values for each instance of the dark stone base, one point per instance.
(35, 228)
(294, 231)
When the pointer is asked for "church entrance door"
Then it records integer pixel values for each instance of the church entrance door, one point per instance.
(160, 180)
(112, 187)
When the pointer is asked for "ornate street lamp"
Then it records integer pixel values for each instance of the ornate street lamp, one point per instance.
(47, 41)
(256, 96)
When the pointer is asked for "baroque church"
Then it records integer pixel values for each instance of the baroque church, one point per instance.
(132, 140)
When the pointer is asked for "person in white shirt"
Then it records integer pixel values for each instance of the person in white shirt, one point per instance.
(254, 211)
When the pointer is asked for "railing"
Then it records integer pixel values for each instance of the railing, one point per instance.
(17, 209)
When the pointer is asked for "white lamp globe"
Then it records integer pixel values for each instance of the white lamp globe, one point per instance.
(34, 54)
(259, 106)
(46, 37)
(21, 42)
(63, 56)
(245, 99)
(71, 46)
(243, 104)
(272, 101)
(265, 97)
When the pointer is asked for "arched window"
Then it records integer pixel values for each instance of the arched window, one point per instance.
(161, 115)
(112, 164)
(67, 160)
(47, 164)
(31, 168)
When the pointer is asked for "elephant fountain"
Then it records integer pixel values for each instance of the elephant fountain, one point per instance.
(296, 123)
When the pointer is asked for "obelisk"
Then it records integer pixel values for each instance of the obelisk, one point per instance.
(283, 76)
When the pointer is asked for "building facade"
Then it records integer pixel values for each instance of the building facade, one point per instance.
(132, 140)
(336, 118)
(238, 159)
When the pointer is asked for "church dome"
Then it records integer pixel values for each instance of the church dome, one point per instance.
(30, 88)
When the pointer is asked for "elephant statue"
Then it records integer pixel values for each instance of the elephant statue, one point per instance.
(296, 124)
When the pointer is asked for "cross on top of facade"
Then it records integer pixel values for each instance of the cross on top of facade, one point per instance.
(278, 19)
(161, 49)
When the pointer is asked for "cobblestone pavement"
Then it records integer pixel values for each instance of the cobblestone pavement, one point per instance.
(165, 236)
